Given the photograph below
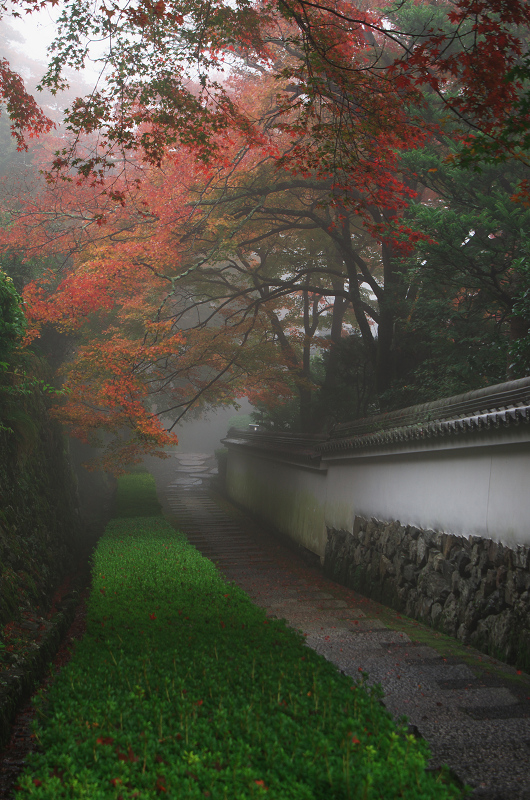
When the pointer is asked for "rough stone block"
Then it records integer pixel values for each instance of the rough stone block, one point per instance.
(482, 632)
(522, 557)
(366, 535)
(398, 564)
(385, 567)
(448, 542)
(501, 630)
(433, 585)
(422, 552)
(437, 539)
(436, 613)
(510, 590)
(447, 569)
(412, 596)
(520, 580)
(449, 617)
(488, 584)
(461, 562)
(496, 553)
(484, 562)
(468, 591)
(436, 560)
(509, 558)
(358, 525)
(462, 633)
(472, 614)
(466, 587)
(424, 607)
(495, 603)
(383, 540)
(393, 544)
(413, 549)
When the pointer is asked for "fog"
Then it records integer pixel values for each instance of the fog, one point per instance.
(204, 434)
(25, 41)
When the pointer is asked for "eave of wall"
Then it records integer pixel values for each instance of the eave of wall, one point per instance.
(494, 415)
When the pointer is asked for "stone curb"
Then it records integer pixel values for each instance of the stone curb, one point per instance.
(20, 681)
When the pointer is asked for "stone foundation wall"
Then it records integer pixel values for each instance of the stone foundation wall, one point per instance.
(473, 588)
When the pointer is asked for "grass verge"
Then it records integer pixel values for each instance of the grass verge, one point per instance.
(182, 688)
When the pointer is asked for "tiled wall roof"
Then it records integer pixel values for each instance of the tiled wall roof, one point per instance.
(492, 407)
(504, 404)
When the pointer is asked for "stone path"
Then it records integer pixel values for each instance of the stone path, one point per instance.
(473, 710)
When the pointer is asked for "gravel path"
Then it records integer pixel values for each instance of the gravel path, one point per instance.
(473, 710)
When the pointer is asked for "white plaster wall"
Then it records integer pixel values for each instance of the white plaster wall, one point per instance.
(508, 518)
(430, 491)
(482, 490)
(479, 486)
(290, 497)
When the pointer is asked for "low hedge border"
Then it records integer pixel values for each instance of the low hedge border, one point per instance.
(182, 687)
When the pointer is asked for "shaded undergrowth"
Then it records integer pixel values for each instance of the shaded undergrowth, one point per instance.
(182, 687)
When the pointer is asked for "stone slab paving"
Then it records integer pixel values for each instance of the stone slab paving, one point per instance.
(473, 710)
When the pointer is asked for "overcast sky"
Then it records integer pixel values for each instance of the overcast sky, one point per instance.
(37, 29)
(36, 32)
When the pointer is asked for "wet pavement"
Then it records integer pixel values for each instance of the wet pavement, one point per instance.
(473, 710)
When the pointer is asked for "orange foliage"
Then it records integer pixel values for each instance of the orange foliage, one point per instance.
(123, 300)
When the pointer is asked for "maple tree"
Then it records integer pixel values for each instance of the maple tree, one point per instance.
(472, 55)
(356, 73)
(275, 200)
(20, 105)
(258, 204)
(245, 337)
(119, 296)
(117, 352)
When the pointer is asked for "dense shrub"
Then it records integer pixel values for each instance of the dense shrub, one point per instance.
(12, 319)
